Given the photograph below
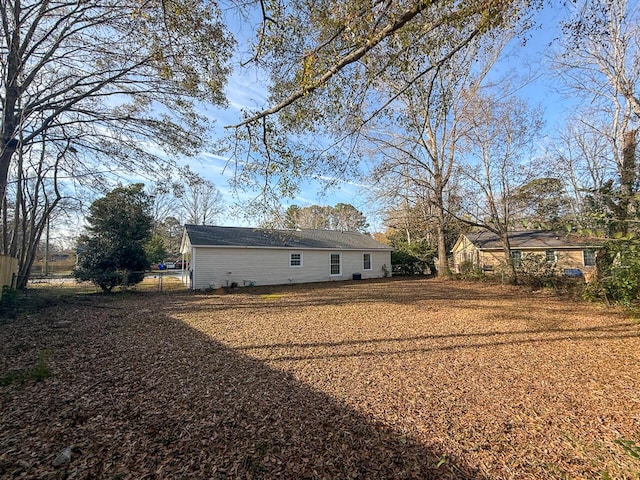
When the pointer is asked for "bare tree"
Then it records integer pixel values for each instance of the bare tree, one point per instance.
(418, 135)
(99, 80)
(163, 204)
(342, 216)
(581, 156)
(315, 217)
(326, 60)
(601, 63)
(201, 202)
(498, 146)
(601, 57)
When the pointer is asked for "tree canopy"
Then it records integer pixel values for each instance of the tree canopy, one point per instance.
(326, 60)
(342, 216)
(119, 225)
(94, 92)
(102, 79)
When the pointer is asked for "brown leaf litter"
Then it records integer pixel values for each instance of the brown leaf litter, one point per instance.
(373, 379)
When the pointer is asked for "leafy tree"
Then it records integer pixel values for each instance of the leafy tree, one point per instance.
(411, 255)
(541, 203)
(155, 249)
(290, 217)
(85, 86)
(342, 216)
(113, 254)
(347, 218)
(405, 263)
(618, 271)
(326, 60)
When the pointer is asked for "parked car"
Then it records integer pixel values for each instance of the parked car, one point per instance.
(169, 265)
(182, 264)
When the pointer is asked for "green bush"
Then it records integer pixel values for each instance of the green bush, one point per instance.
(470, 271)
(618, 273)
(536, 272)
(113, 254)
(405, 263)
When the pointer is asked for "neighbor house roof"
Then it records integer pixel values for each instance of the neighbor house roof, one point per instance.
(532, 239)
(212, 235)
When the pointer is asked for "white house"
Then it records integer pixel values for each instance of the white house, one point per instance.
(229, 256)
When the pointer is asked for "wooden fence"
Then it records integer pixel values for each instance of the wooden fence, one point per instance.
(8, 269)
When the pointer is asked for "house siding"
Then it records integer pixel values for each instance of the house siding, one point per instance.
(215, 267)
(484, 251)
(493, 259)
(569, 258)
(465, 251)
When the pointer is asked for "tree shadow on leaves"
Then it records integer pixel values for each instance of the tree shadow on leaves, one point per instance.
(157, 399)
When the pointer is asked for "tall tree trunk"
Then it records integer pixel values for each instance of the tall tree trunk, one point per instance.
(439, 204)
(443, 264)
(511, 268)
(10, 104)
(628, 178)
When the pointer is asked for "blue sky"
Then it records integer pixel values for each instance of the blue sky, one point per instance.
(248, 90)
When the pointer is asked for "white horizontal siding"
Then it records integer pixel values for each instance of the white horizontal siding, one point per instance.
(215, 267)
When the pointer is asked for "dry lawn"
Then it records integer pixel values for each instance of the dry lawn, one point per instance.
(373, 379)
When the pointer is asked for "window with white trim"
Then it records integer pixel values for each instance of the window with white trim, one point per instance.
(589, 258)
(295, 259)
(551, 256)
(336, 264)
(366, 261)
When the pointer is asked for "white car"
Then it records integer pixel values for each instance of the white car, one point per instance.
(169, 265)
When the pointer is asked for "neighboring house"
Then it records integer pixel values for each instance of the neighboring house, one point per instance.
(569, 252)
(230, 256)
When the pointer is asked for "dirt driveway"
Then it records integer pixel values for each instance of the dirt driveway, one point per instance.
(372, 379)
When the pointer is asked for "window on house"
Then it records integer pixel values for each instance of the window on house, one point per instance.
(366, 261)
(516, 258)
(295, 260)
(335, 264)
(551, 256)
(589, 258)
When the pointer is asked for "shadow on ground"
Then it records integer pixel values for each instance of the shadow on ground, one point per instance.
(135, 395)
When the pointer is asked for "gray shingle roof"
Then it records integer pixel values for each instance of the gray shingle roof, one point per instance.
(532, 239)
(212, 235)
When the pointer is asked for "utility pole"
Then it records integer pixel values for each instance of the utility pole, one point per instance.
(46, 252)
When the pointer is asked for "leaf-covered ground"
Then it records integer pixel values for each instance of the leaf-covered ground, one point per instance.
(374, 379)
